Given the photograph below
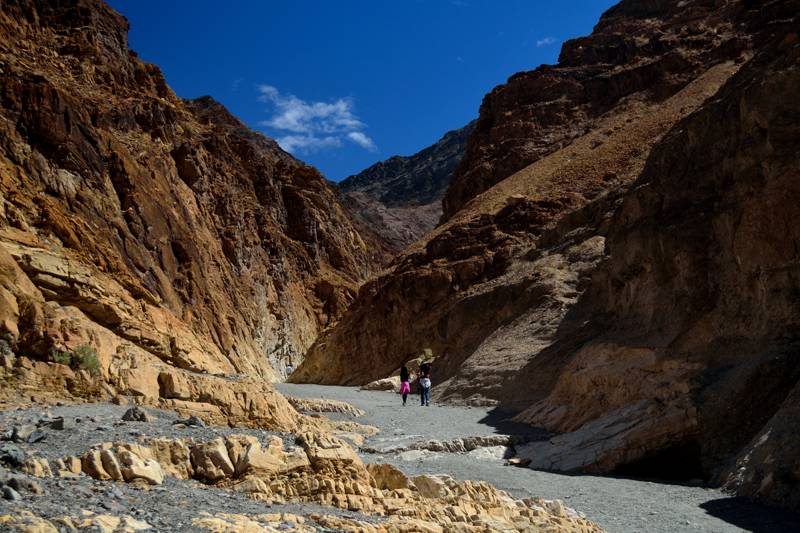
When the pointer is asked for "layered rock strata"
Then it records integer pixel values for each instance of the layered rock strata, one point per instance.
(151, 228)
(638, 51)
(696, 299)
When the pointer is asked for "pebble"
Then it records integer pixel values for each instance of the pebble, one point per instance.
(12, 454)
(191, 421)
(11, 494)
(36, 436)
(136, 414)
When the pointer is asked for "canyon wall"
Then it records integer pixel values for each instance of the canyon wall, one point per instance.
(158, 230)
(637, 51)
(633, 289)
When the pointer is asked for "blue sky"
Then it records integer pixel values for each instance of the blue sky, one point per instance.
(343, 84)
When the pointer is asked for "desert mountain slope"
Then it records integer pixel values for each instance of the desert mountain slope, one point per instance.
(166, 225)
(442, 276)
(625, 290)
(401, 198)
(642, 51)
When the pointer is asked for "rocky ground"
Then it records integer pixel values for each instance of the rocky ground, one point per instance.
(171, 506)
(617, 504)
(114, 468)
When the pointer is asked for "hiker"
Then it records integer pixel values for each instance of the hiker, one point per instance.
(405, 387)
(424, 383)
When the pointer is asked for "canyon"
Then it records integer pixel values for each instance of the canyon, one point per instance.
(606, 257)
(610, 268)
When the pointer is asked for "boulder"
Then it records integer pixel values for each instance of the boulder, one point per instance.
(135, 468)
(211, 461)
(37, 467)
(136, 414)
(388, 477)
(431, 486)
(325, 448)
(111, 465)
(92, 465)
(391, 384)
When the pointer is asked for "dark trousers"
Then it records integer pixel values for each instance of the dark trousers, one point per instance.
(405, 395)
(425, 395)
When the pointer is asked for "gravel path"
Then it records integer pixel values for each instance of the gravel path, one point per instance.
(619, 505)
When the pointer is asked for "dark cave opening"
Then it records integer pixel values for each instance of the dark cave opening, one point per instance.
(680, 462)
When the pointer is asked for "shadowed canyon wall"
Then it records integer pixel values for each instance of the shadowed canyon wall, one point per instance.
(619, 264)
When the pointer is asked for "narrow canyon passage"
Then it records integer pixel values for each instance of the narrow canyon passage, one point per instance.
(617, 504)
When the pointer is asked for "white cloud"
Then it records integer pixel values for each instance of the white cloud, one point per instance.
(362, 140)
(545, 42)
(307, 143)
(312, 125)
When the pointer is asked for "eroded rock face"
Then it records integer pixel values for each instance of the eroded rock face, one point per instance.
(401, 198)
(322, 469)
(127, 213)
(632, 292)
(637, 52)
(703, 272)
(694, 358)
(512, 268)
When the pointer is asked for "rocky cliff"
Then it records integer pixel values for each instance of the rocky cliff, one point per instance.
(161, 232)
(401, 198)
(638, 51)
(639, 278)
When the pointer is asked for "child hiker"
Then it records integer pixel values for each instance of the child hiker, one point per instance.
(405, 387)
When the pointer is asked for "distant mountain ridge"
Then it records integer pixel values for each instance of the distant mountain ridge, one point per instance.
(400, 198)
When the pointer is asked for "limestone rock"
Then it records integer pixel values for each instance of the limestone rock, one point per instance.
(135, 468)
(37, 467)
(27, 522)
(111, 465)
(316, 405)
(211, 461)
(391, 384)
(388, 477)
(431, 486)
(322, 448)
(92, 465)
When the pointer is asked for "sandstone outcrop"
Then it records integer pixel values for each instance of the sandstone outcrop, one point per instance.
(400, 199)
(321, 405)
(630, 286)
(325, 470)
(151, 228)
